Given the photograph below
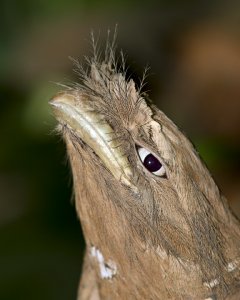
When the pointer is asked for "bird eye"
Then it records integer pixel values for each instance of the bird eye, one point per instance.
(151, 163)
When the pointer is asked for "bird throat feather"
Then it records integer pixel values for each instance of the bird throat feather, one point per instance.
(104, 118)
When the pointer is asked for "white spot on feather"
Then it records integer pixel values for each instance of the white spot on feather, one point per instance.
(107, 269)
(231, 266)
(212, 283)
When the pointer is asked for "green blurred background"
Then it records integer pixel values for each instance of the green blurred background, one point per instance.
(193, 51)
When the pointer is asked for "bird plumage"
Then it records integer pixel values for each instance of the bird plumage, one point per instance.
(147, 237)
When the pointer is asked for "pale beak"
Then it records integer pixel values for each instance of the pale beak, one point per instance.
(91, 128)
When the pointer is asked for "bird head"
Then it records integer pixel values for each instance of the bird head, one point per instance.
(139, 182)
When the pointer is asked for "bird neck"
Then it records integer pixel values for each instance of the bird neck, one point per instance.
(125, 245)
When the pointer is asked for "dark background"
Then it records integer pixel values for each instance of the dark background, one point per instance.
(193, 51)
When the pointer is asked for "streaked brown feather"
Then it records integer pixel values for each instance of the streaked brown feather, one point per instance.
(171, 236)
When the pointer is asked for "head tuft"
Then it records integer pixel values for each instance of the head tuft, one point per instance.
(104, 82)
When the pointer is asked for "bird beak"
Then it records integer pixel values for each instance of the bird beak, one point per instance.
(93, 130)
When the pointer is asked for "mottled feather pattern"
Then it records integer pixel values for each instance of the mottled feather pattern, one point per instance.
(181, 223)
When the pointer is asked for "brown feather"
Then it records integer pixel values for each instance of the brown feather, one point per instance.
(167, 238)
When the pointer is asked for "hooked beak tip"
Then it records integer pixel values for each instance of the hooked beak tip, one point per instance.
(59, 101)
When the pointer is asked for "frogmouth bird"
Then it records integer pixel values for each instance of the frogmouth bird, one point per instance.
(156, 225)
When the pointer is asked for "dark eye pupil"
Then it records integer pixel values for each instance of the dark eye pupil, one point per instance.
(152, 163)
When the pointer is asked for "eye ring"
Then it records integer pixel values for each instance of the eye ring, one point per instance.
(151, 162)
